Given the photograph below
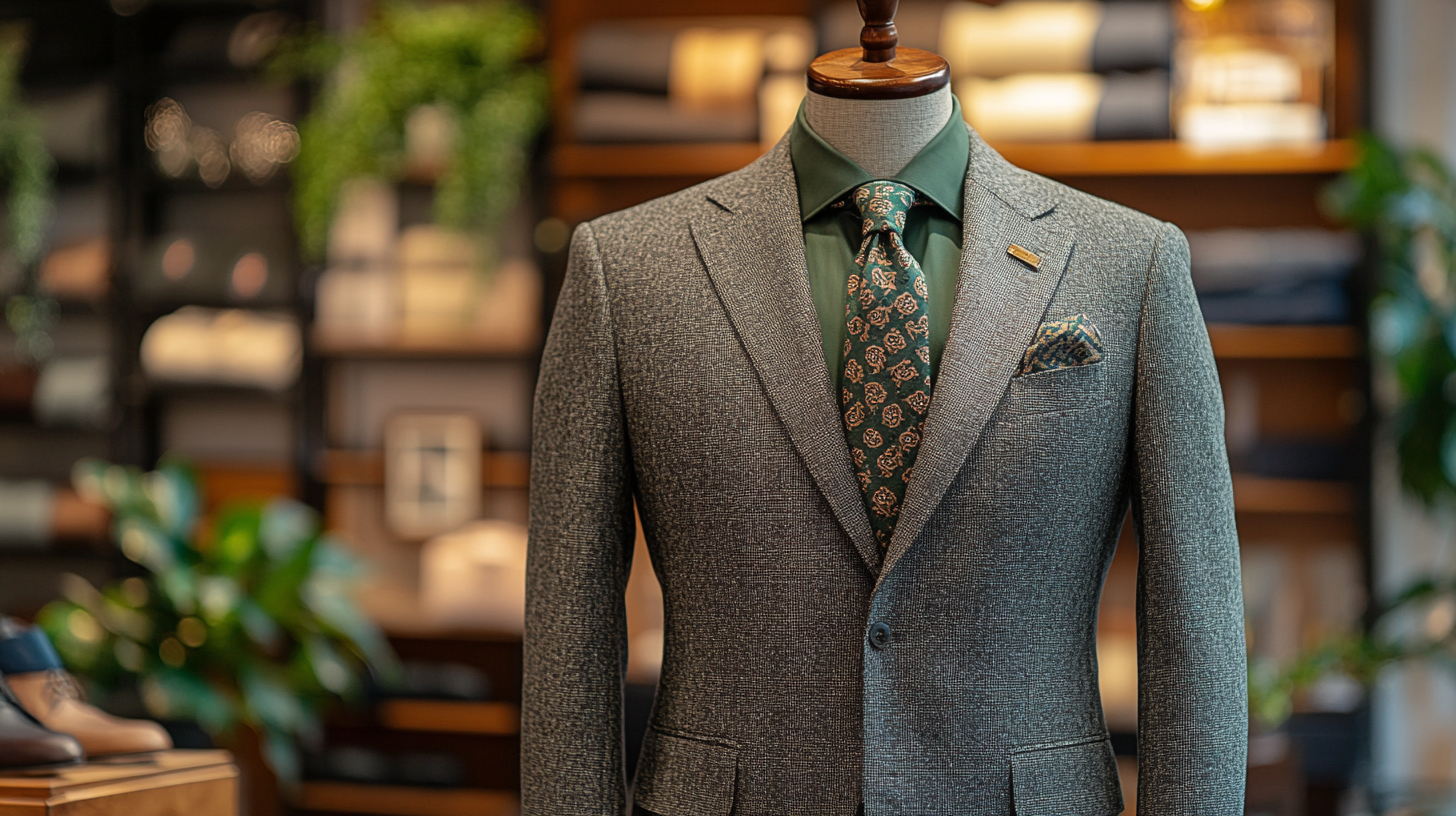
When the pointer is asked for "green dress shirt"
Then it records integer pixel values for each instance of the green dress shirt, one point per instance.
(832, 237)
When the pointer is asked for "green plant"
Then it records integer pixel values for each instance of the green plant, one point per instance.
(244, 618)
(26, 169)
(1406, 199)
(469, 59)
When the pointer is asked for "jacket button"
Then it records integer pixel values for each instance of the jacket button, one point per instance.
(880, 635)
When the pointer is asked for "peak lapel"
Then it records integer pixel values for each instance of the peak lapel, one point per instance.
(1000, 301)
(753, 246)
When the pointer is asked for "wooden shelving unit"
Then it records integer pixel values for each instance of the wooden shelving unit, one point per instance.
(451, 716)
(1245, 342)
(325, 344)
(1256, 494)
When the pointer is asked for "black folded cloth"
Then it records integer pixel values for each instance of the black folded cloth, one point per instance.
(1312, 302)
(1312, 459)
(1233, 260)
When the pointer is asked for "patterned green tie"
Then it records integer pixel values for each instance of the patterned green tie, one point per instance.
(886, 354)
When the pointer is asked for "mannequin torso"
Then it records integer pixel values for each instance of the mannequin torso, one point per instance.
(881, 135)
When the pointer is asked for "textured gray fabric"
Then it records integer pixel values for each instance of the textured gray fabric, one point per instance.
(880, 135)
(684, 368)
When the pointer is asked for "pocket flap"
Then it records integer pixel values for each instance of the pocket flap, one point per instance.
(1062, 389)
(678, 776)
(1073, 779)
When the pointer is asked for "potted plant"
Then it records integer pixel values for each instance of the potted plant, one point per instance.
(243, 619)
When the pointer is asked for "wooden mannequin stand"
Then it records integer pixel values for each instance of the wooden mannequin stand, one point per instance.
(877, 69)
(166, 783)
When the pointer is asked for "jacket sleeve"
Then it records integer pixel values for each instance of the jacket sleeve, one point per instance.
(1192, 695)
(581, 537)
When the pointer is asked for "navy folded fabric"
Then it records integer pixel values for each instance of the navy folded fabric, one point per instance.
(1314, 302)
(1134, 106)
(29, 651)
(1133, 35)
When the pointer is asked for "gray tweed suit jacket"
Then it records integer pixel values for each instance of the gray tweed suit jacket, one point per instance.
(685, 370)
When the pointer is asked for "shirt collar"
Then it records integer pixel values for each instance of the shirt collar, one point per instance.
(824, 174)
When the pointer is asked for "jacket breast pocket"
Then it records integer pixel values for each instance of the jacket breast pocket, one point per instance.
(1063, 389)
(679, 776)
(1076, 778)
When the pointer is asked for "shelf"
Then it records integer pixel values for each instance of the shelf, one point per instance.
(398, 800)
(334, 345)
(451, 716)
(1256, 494)
(647, 160)
(341, 468)
(1150, 158)
(1236, 342)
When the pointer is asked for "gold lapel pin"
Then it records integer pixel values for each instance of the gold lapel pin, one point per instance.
(1024, 255)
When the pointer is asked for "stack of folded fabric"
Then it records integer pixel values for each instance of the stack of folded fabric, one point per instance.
(43, 719)
(1273, 275)
(708, 79)
(1252, 76)
(1043, 70)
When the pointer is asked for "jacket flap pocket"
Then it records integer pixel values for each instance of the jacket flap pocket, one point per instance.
(678, 776)
(1062, 389)
(1074, 779)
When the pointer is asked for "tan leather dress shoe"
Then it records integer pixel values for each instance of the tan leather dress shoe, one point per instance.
(53, 697)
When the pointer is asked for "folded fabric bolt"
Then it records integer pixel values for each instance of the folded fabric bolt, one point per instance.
(660, 57)
(25, 514)
(74, 391)
(1311, 302)
(611, 116)
(1219, 128)
(1229, 260)
(228, 346)
(1067, 106)
(1025, 36)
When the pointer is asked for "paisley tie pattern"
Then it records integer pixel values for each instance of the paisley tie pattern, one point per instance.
(886, 382)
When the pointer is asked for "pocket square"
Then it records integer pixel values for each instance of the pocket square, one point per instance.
(1072, 341)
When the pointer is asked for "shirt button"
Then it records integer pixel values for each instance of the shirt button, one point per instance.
(880, 635)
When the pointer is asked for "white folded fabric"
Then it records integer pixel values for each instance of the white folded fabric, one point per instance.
(227, 346)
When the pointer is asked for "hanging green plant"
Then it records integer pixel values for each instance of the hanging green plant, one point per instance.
(245, 619)
(467, 59)
(25, 164)
(26, 170)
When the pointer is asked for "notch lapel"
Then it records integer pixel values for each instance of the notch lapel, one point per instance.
(999, 304)
(752, 244)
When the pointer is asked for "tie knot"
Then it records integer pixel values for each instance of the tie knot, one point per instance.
(882, 205)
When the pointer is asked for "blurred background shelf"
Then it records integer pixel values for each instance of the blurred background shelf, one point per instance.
(1257, 494)
(496, 718)
(327, 344)
(1250, 342)
(499, 469)
(392, 800)
(1131, 158)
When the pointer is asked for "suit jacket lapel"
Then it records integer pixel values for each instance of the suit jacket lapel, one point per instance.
(999, 304)
(752, 243)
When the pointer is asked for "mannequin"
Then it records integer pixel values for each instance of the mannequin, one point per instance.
(814, 663)
(880, 135)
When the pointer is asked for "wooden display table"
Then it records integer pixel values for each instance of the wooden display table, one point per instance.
(167, 783)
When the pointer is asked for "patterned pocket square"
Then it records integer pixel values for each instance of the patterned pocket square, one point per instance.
(1072, 341)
